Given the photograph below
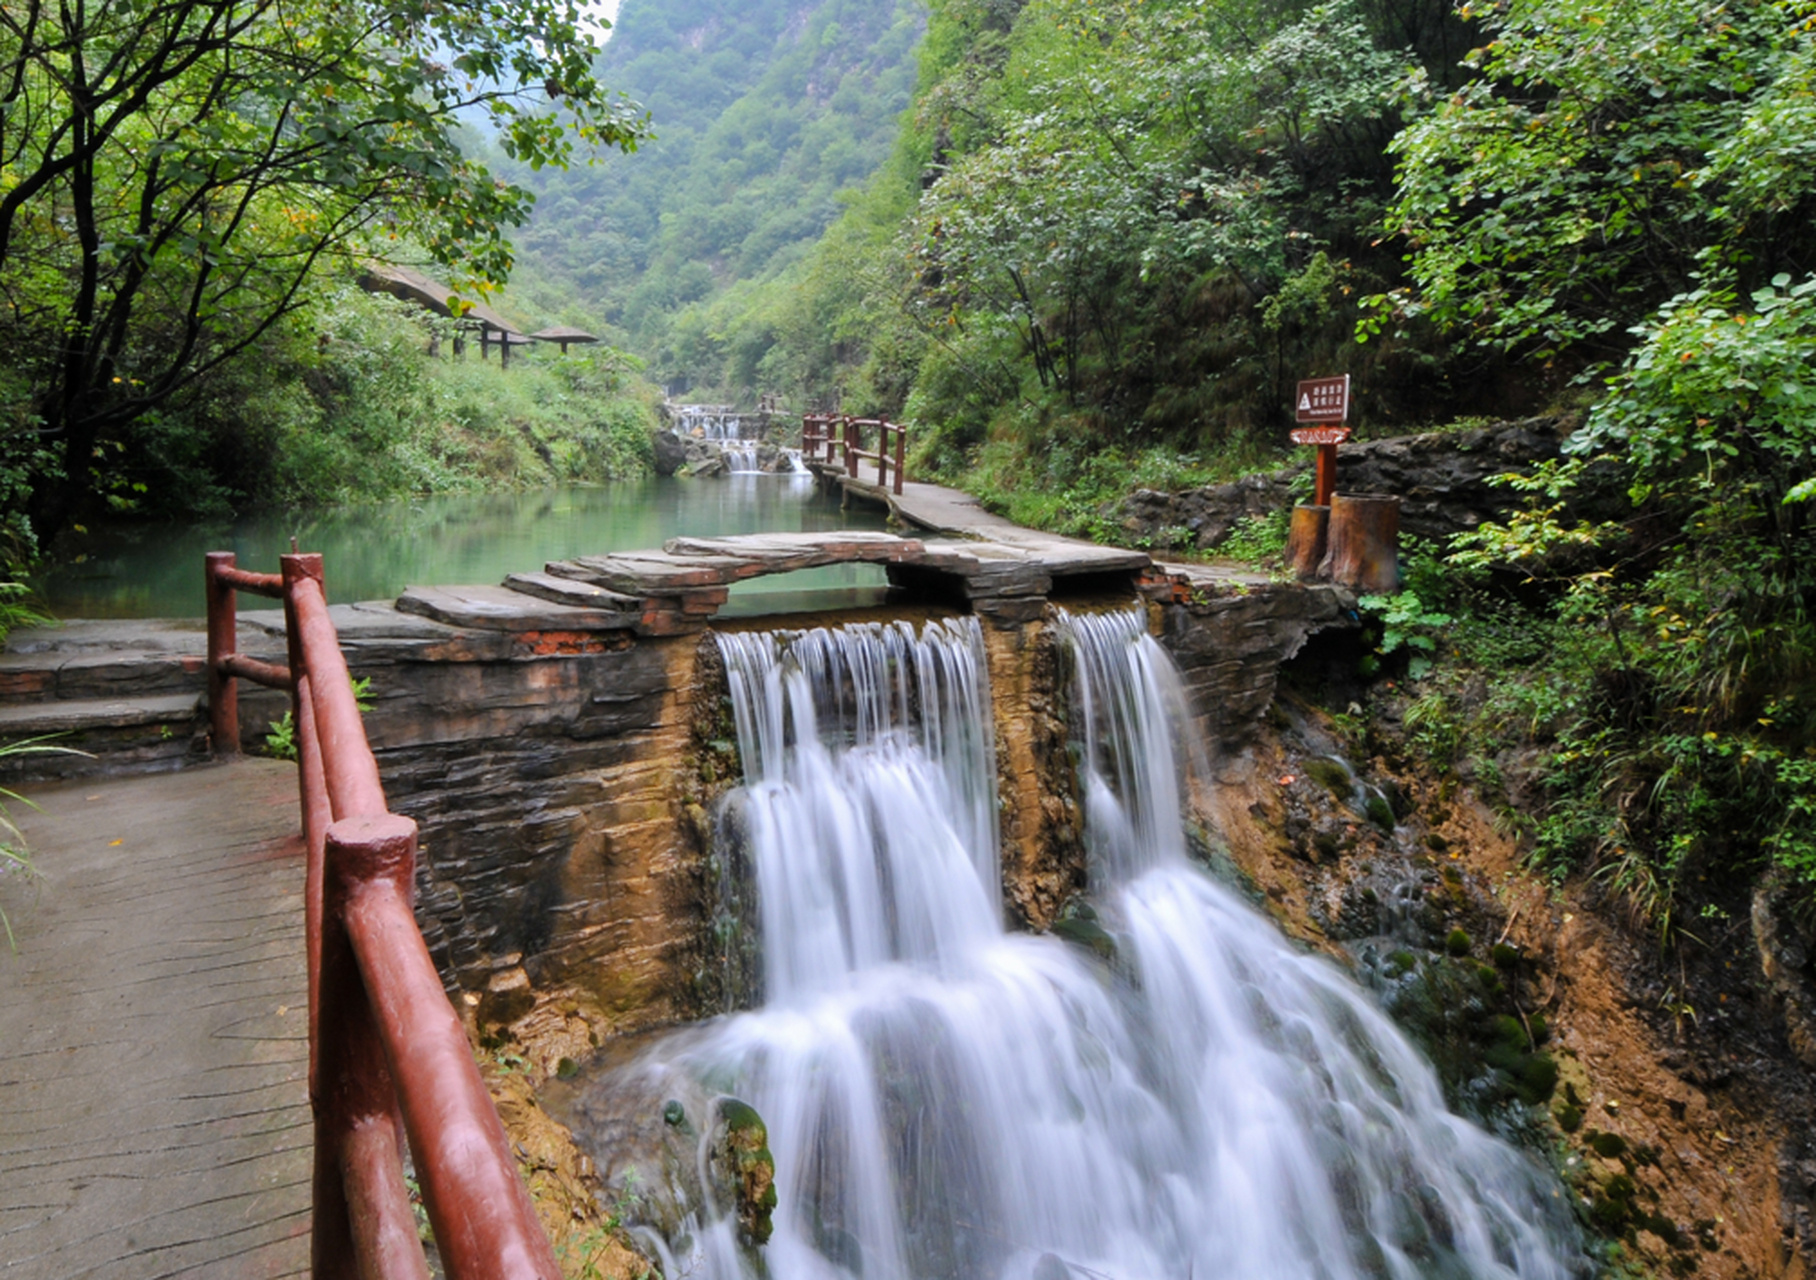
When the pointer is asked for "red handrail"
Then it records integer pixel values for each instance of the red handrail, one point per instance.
(388, 1057)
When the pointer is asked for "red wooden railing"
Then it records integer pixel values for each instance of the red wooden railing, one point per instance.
(819, 436)
(388, 1057)
(842, 440)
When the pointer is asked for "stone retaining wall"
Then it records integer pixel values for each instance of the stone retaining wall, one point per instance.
(564, 787)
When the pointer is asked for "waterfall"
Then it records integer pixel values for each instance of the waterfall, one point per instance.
(708, 422)
(740, 457)
(947, 1100)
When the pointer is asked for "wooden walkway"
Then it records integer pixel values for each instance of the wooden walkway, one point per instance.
(154, 1118)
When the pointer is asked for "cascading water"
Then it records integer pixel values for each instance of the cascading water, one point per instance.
(740, 457)
(947, 1099)
(709, 422)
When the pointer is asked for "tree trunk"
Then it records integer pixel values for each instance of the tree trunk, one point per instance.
(1364, 542)
(1308, 540)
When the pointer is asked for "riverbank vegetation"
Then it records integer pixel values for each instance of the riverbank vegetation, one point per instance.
(184, 187)
(350, 405)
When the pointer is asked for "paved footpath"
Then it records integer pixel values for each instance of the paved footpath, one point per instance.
(154, 1118)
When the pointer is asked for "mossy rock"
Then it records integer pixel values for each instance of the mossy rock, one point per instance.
(1087, 934)
(1609, 1146)
(742, 1152)
(1458, 942)
(1332, 776)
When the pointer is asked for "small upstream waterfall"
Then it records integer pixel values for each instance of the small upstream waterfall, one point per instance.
(714, 422)
(740, 456)
(950, 1101)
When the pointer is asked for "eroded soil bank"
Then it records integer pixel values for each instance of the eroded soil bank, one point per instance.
(1674, 1105)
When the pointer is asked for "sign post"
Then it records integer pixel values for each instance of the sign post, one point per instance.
(1321, 408)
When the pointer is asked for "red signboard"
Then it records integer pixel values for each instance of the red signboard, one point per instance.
(1322, 400)
(1319, 435)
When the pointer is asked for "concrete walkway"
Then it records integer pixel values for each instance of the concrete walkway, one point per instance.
(154, 1117)
(934, 507)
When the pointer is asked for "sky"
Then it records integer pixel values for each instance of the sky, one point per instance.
(607, 9)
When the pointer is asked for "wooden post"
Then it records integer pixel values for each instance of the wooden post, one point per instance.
(223, 636)
(1364, 542)
(1327, 475)
(901, 446)
(1308, 540)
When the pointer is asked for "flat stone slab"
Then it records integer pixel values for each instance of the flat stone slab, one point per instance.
(367, 620)
(571, 592)
(646, 573)
(84, 635)
(71, 715)
(502, 609)
(788, 552)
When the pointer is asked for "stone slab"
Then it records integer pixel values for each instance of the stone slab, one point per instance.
(502, 609)
(73, 715)
(83, 635)
(646, 573)
(571, 592)
(787, 552)
(367, 620)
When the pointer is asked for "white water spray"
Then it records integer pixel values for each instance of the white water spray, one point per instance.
(949, 1101)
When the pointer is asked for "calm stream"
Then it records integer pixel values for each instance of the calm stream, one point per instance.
(372, 552)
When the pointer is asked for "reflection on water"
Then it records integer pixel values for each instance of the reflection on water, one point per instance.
(373, 552)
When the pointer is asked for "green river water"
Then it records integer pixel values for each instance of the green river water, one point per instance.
(373, 552)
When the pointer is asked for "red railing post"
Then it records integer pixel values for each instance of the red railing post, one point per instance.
(223, 629)
(313, 789)
(850, 447)
(363, 1224)
(882, 454)
(901, 449)
(485, 1225)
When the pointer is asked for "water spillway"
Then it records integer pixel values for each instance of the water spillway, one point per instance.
(1193, 1097)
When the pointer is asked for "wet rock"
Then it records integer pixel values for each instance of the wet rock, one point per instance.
(670, 453)
(1784, 959)
(744, 1171)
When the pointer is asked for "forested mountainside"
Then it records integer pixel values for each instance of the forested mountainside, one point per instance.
(765, 111)
(1114, 232)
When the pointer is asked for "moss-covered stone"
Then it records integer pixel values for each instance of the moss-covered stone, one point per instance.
(1457, 942)
(743, 1156)
(1332, 776)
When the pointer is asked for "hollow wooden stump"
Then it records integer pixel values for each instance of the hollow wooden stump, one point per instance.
(1364, 550)
(1307, 540)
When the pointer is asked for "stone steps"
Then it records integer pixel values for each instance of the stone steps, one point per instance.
(114, 735)
(129, 694)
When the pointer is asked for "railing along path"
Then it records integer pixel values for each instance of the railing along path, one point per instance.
(388, 1057)
(831, 438)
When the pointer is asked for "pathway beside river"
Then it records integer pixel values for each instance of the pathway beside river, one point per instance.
(154, 1111)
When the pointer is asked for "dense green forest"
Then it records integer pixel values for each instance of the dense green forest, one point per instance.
(1114, 232)
(765, 114)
